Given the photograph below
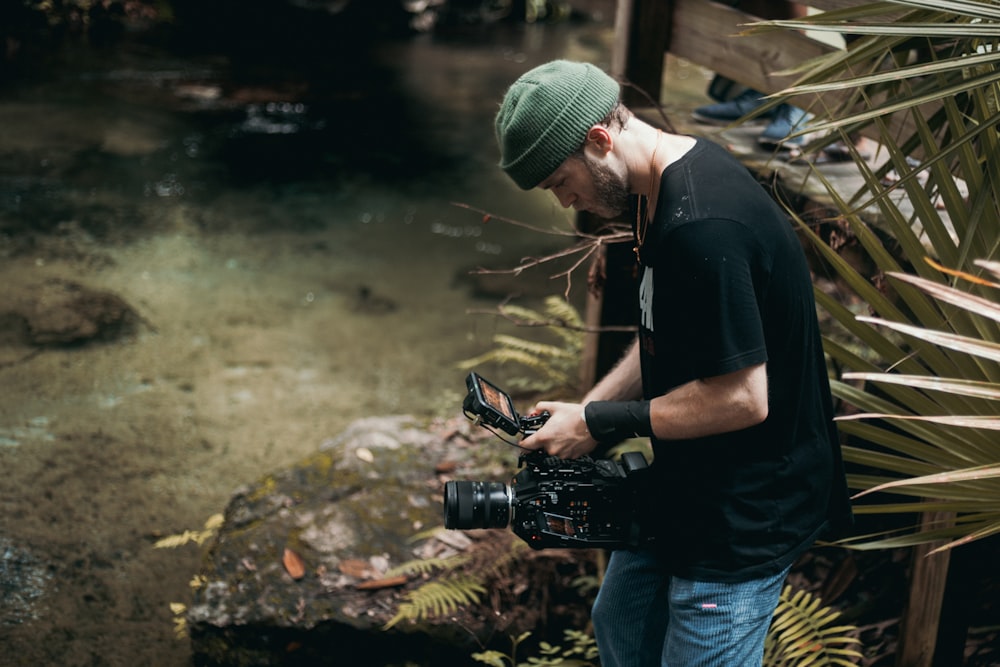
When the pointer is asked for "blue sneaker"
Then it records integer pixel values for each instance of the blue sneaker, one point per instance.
(787, 120)
(734, 109)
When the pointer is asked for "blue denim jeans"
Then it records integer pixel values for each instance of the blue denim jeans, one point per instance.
(645, 618)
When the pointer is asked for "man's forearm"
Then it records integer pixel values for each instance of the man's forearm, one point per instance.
(623, 382)
(712, 405)
(696, 409)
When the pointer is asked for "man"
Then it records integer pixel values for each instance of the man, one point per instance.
(727, 375)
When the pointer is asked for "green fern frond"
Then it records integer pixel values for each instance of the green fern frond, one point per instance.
(801, 634)
(427, 565)
(562, 310)
(179, 540)
(556, 363)
(503, 562)
(212, 525)
(560, 318)
(521, 313)
(437, 598)
(507, 355)
(475, 362)
(572, 340)
(500, 356)
(533, 348)
(179, 609)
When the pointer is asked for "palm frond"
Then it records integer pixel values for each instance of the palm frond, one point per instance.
(921, 369)
(802, 634)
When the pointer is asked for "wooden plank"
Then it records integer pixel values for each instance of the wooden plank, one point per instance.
(706, 34)
(829, 5)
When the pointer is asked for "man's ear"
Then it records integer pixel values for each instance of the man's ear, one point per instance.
(600, 138)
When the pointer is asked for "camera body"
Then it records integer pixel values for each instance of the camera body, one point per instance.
(550, 502)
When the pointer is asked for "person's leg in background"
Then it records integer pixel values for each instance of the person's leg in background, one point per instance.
(783, 119)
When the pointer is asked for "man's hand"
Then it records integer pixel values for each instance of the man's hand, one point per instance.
(565, 434)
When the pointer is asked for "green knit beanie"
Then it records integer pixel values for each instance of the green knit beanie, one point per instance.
(545, 116)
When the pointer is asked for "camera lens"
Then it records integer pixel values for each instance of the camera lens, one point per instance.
(476, 505)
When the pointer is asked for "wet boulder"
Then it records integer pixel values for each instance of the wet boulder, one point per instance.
(63, 312)
(297, 572)
(306, 566)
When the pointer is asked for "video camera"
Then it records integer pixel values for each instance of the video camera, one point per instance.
(551, 502)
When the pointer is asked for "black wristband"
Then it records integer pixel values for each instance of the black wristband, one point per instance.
(614, 421)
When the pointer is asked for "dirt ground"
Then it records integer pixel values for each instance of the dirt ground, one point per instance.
(247, 353)
(267, 317)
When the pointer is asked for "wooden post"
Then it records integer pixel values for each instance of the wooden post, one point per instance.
(616, 305)
(642, 38)
(919, 625)
(965, 579)
(643, 29)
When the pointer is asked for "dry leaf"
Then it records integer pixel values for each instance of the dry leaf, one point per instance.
(374, 584)
(445, 467)
(294, 564)
(355, 568)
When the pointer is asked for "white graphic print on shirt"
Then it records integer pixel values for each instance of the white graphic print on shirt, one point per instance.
(646, 298)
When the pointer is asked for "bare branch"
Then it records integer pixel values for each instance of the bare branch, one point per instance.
(612, 232)
(586, 246)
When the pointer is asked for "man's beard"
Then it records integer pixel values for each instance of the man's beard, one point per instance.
(611, 192)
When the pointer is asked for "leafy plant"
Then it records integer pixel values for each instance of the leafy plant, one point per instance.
(460, 581)
(924, 80)
(199, 537)
(970, 493)
(801, 634)
(580, 644)
(438, 598)
(555, 365)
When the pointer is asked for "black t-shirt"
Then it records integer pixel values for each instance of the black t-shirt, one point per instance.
(724, 285)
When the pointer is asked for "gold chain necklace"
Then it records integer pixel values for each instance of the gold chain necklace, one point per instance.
(642, 221)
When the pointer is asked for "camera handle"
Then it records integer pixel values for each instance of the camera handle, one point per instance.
(531, 423)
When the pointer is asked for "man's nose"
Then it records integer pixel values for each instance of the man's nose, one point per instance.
(565, 198)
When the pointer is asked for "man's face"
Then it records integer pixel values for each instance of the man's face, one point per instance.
(588, 184)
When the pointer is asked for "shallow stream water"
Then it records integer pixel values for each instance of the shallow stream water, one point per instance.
(292, 245)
